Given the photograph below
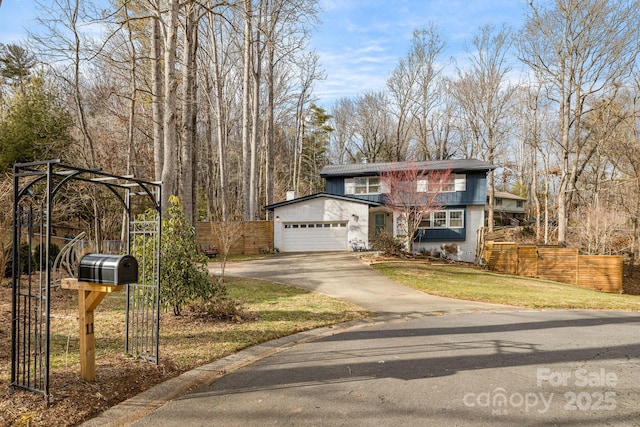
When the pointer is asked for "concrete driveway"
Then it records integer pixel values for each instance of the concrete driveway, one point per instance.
(425, 361)
(342, 275)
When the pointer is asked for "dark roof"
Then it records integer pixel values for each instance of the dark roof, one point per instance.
(372, 169)
(318, 195)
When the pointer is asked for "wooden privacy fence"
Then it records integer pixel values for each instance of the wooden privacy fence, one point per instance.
(253, 237)
(600, 272)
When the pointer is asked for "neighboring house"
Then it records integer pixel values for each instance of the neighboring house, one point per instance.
(352, 210)
(508, 209)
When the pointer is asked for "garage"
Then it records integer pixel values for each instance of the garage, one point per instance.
(315, 236)
(320, 222)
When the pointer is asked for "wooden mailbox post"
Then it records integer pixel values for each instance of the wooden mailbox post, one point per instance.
(89, 297)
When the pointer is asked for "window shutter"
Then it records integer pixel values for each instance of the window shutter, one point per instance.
(349, 186)
(460, 182)
(384, 188)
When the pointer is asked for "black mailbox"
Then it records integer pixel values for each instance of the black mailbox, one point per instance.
(108, 269)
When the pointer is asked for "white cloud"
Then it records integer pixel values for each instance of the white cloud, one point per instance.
(361, 41)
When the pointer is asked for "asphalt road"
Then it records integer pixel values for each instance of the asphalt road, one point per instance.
(523, 368)
(425, 361)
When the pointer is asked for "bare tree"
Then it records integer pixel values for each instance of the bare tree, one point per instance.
(596, 235)
(189, 115)
(285, 35)
(169, 165)
(246, 107)
(440, 125)
(483, 93)
(65, 42)
(425, 95)
(217, 87)
(308, 70)
(226, 235)
(579, 49)
(412, 194)
(157, 90)
(372, 129)
(342, 118)
(623, 151)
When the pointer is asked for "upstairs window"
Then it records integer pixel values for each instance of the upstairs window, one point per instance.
(448, 184)
(367, 185)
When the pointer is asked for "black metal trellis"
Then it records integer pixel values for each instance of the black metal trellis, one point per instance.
(36, 185)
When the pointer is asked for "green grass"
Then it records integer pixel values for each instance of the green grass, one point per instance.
(474, 284)
(269, 311)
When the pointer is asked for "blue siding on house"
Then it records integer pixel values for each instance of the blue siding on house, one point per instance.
(475, 194)
(335, 186)
(443, 234)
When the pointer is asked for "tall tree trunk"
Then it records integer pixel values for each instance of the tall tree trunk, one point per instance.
(253, 175)
(132, 116)
(169, 167)
(534, 189)
(219, 111)
(156, 106)
(246, 112)
(188, 139)
(565, 109)
(270, 131)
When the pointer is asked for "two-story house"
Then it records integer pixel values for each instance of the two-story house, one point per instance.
(508, 209)
(352, 209)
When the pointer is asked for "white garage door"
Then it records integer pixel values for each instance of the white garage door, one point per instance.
(317, 236)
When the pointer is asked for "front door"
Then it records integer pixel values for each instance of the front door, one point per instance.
(379, 221)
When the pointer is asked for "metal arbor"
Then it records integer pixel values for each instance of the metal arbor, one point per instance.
(36, 186)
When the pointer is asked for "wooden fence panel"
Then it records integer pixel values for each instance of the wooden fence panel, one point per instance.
(258, 236)
(558, 264)
(527, 261)
(603, 273)
(501, 257)
(254, 237)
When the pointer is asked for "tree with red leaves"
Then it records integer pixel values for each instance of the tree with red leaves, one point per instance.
(413, 193)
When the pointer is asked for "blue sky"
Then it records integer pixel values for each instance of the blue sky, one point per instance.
(14, 17)
(359, 41)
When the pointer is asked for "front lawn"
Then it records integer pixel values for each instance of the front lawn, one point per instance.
(474, 284)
